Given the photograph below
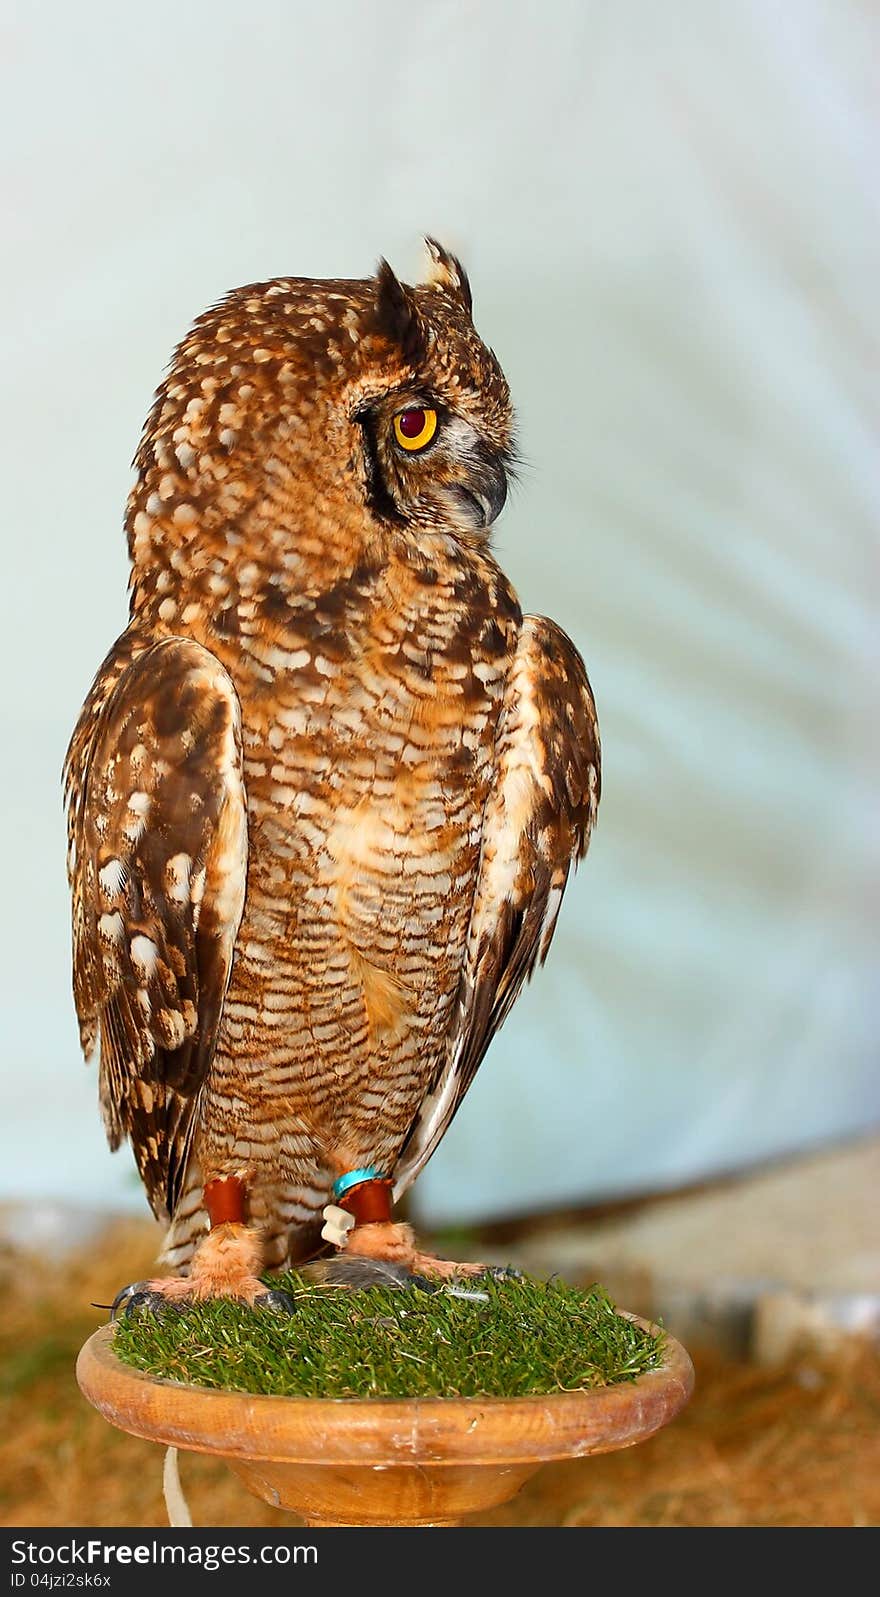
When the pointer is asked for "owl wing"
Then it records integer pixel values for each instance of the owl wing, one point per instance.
(538, 820)
(157, 827)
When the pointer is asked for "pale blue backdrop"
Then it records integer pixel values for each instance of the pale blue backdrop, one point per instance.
(670, 216)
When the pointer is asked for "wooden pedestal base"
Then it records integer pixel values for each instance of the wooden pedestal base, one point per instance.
(383, 1494)
(359, 1461)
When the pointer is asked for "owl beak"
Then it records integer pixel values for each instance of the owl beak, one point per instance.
(486, 489)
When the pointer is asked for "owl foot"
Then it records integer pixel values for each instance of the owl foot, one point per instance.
(394, 1242)
(139, 1297)
(226, 1264)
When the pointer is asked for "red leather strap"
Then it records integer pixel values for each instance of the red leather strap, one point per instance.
(224, 1201)
(369, 1201)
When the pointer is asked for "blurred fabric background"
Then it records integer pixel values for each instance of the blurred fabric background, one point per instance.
(670, 218)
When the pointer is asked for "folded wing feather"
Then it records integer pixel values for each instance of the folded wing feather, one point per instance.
(538, 821)
(158, 859)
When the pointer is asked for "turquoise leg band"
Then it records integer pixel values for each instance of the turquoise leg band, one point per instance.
(353, 1178)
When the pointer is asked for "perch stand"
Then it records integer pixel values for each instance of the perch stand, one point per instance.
(367, 1461)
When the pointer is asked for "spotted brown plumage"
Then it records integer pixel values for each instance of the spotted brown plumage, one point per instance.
(326, 791)
(159, 834)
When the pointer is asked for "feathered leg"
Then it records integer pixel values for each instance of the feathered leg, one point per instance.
(226, 1263)
(360, 1225)
(395, 1242)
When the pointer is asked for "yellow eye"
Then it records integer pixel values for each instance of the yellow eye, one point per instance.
(415, 427)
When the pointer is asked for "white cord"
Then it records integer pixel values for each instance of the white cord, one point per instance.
(175, 1502)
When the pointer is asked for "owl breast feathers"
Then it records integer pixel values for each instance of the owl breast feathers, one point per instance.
(327, 788)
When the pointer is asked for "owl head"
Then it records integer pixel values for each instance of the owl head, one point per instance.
(436, 420)
(305, 414)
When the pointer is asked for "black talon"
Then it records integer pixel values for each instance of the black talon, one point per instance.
(153, 1301)
(423, 1284)
(137, 1295)
(276, 1299)
(136, 1301)
(134, 1288)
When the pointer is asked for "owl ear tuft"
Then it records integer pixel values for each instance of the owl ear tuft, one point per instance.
(398, 315)
(447, 270)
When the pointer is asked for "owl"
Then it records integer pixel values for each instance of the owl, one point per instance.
(327, 788)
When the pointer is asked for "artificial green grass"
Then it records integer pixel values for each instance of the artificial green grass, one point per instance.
(527, 1337)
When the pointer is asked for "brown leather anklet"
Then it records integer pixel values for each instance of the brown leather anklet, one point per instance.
(369, 1201)
(224, 1201)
